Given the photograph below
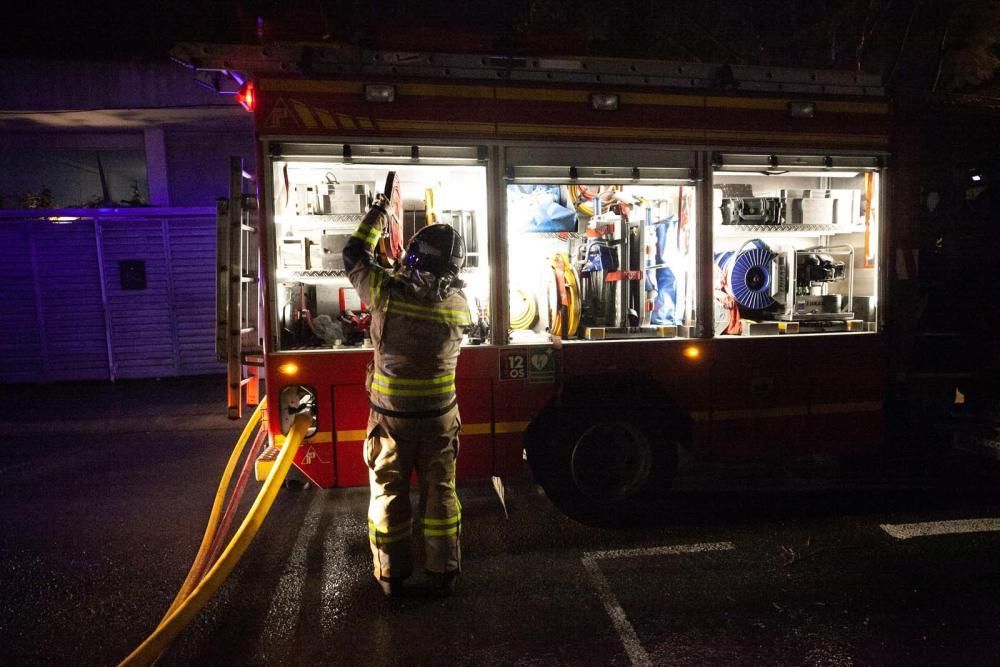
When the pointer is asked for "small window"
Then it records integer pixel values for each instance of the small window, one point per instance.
(69, 171)
(132, 274)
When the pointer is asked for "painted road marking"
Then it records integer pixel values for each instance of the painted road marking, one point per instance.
(905, 531)
(636, 653)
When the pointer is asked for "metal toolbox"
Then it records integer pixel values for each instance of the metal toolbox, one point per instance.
(751, 211)
(846, 206)
(809, 211)
(818, 206)
(330, 198)
(333, 249)
(346, 198)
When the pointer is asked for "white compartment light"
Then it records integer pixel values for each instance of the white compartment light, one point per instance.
(808, 174)
(380, 92)
(801, 109)
(604, 101)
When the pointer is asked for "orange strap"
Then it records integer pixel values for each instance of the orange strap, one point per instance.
(391, 242)
(734, 326)
(560, 272)
(869, 187)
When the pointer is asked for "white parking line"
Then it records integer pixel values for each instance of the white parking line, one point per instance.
(636, 653)
(905, 531)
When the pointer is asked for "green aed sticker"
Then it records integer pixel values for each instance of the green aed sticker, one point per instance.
(541, 364)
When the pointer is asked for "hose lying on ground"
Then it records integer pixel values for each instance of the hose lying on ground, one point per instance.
(218, 543)
(200, 591)
(211, 529)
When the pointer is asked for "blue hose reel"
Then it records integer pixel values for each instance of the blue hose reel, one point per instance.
(749, 274)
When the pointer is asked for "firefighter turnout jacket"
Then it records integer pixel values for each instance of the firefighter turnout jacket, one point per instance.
(416, 333)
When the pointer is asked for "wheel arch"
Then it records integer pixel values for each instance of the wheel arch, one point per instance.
(552, 439)
(615, 391)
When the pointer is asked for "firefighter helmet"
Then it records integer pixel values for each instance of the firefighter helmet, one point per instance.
(437, 249)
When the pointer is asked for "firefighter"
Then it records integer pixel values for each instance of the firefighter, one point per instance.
(418, 317)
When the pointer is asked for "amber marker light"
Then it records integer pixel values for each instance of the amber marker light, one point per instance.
(288, 369)
(692, 352)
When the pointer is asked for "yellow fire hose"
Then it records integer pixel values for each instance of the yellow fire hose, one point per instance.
(213, 519)
(193, 596)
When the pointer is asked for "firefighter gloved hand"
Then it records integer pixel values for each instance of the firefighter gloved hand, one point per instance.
(378, 216)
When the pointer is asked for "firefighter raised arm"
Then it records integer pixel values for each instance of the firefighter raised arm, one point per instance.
(419, 316)
(364, 272)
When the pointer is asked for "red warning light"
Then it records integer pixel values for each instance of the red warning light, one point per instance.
(247, 96)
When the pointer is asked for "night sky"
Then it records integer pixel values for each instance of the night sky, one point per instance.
(119, 28)
(899, 39)
(751, 31)
(112, 28)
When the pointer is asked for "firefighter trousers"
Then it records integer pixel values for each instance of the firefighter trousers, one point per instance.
(394, 449)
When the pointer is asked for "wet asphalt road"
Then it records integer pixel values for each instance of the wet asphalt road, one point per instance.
(102, 510)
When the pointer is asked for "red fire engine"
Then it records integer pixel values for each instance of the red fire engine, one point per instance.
(661, 256)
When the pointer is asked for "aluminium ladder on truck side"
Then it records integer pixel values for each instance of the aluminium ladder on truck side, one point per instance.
(216, 64)
(237, 335)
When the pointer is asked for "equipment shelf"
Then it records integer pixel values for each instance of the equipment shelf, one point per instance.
(740, 230)
(312, 275)
(319, 220)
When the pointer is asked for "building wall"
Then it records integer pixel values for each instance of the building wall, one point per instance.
(198, 163)
(62, 85)
(82, 139)
(79, 310)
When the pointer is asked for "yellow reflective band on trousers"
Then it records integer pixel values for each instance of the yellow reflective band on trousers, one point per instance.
(442, 527)
(393, 534)
(368, 234)
(442, 315)
(393, 386)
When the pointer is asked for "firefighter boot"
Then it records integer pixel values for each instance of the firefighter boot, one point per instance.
(392, 587)
(442, 584)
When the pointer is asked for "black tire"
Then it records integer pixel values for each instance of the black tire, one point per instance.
(295, 484)
(604, 465)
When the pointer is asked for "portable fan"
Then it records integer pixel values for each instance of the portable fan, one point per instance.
(749, 273)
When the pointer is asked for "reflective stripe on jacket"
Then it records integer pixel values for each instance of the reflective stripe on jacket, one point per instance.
(416, 341)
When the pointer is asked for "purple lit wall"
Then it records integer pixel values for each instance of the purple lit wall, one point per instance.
(94, 293)
(198, 163)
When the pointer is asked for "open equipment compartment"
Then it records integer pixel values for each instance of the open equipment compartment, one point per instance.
(321, 193)
(600, 252)
(795, 241)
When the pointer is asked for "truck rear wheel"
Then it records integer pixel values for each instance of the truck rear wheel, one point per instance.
(610, 461)
(602, 466)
